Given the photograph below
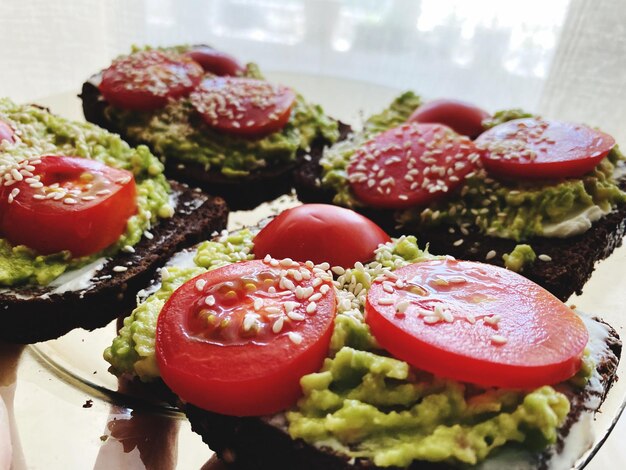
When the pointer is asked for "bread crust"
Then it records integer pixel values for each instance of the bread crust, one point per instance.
(33, 313)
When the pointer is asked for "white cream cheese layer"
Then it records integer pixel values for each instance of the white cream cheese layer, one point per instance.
(576, 224)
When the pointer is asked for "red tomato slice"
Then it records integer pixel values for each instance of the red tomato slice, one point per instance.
(216, 62)
(6, 132)
(320, 233)
(476, 323)
(411, 165)
(243, 106)
(56, 203)
(463, 118)
(238, 339)
(535, 148)
(145, 80)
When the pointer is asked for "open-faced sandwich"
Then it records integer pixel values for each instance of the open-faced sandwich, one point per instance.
(541, 197)
(381, 356)
(214, 122)
(84, 222)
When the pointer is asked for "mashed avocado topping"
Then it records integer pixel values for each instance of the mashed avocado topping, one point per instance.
(520, 256)
(363, 402)
(521, 210)
(177, 130)
(132, 350)
(41, 133)
(515, 210)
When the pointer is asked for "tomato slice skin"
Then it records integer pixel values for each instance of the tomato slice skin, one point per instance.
(462, 117)
(245, 107)
(6, 132)
(521, 336)
(216, 62)
(320, 233)
(221, 369)
(146, 80)
(410, 165)
(82, 226)
(540, 149)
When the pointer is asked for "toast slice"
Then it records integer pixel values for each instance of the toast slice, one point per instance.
(93, 296)
(240, 192)
(564, 268)
(252, 443)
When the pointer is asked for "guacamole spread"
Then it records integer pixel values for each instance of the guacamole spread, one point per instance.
(41, 133)
(515, 210)
(176, 131)
(364, 403)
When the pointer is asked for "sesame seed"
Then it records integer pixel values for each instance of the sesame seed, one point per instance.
(315, 297)
(69, 200)
(338, 270)
(459, 242)
(402, 306)
(210, 300)
(296, 338)
(430, 319)
(148, 235)
(273, 310)
(120, 269)
(103, 192)
(200, 284)
(385, 301)
(544, 257)
(290, 305)
(491, 254)
(258, 303)
(311, 307)
(278, 324)
(287, 262)
(295, 316)
(128, 249)
(498, 339)
(492, 320)
(325, 288)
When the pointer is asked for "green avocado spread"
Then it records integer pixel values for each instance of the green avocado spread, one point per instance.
(176, 131)
(516, 210)
(41, 133)
(364, 403)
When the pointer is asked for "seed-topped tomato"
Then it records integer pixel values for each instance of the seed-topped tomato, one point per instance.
(476, 323)
(411, 165)
(540, 149)
(215, 62)
(243, 106)
(6, 132)
(320, 233)
(56, 203)
(145, 80)
(463, 118)
(237, 340)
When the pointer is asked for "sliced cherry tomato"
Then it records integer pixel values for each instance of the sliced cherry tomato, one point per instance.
(56, 203)
(319, 233)
(463, 118)
(145, 80)
(411, 165)
(537, 149)
(476, 323)
(237, 340)
(243, 106)
(6, 132)
(216, 62)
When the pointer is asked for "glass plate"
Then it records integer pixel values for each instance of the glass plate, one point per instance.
(70, 413)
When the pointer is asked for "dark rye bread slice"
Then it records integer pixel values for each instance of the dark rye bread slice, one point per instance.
(263, 443)
(259, 186)
(567, 266)
(30, 314)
